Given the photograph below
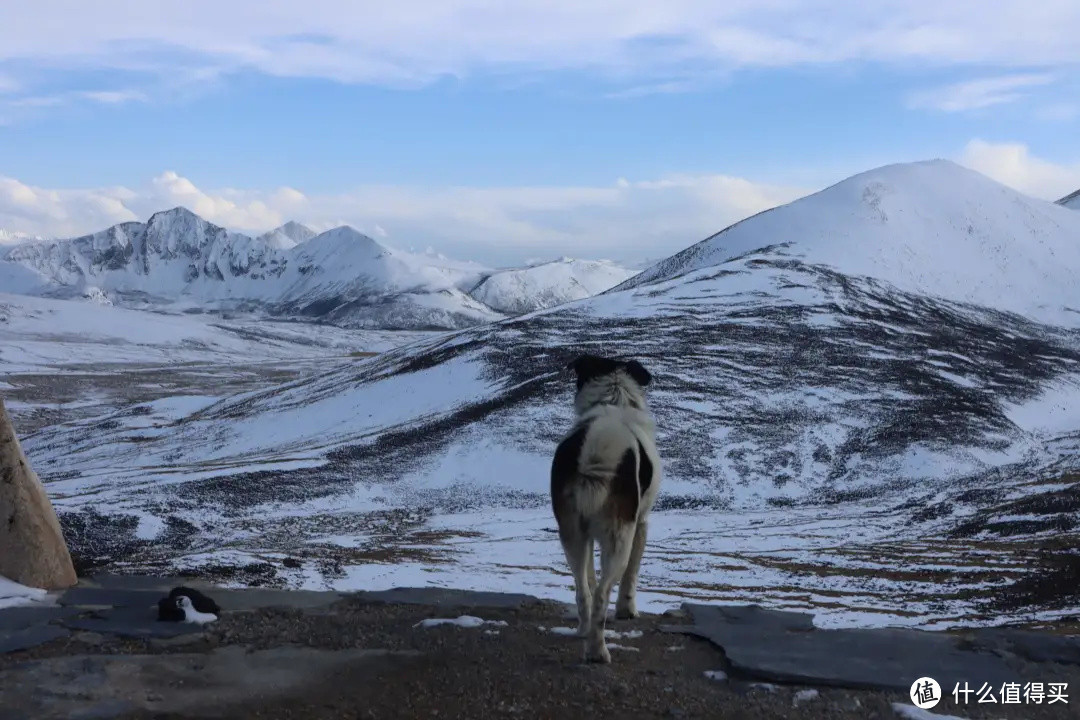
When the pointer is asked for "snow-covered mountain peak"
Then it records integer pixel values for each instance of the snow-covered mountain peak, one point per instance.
(547, 284)
(181, 233)
(1071, 201)
(931, 227)
(343, 245)
(288, 235)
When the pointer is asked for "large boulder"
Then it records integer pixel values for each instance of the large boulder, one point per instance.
(32, 547)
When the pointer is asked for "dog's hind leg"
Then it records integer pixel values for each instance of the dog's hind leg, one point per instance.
(614, 555)
(626, 605)
(590, 567)
(578, 549)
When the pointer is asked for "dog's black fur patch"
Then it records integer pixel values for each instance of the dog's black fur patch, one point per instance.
(624, 488)
(564, 468)
(645, 469)
(587, 367)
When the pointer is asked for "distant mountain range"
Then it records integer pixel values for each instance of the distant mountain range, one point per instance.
(340, 276)
(1072, 200)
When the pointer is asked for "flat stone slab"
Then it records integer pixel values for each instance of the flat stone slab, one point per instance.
(132, 622)
(144, 592)
(141, 582)
(111, 597)
(138, 591)
(448, 598)
(22, 617)
(103, 686)
(785, 647)
(26, 627)
(246, 599)
(1035, 647)
(31, 637)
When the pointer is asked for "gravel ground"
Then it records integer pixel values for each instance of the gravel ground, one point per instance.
(515, 671)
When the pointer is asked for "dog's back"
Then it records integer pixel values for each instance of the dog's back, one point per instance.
(602, 473)
(604, 480)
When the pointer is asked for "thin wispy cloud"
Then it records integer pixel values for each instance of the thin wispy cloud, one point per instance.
(980, 93)
(103, 97)
(416, 41)
(111, 97)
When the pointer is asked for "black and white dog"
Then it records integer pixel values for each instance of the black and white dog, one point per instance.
(604, 481)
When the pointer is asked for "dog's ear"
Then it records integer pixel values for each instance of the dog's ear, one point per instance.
(587, 367)
(637, 371)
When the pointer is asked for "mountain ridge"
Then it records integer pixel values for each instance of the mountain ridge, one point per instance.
(1071, 201)
(340, 275)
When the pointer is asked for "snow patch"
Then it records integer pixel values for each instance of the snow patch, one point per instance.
(910, 712)
(12, 594)
(463, 621)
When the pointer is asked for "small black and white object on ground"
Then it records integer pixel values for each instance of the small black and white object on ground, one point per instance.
(172, 609)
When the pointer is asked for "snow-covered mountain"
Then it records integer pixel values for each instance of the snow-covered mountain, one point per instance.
(288, 235)
(933, 228)
(848, 405)
(1072, 200)
(545, 285)
(339, 276)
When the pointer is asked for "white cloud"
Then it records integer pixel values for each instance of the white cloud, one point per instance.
(104, 97)
(980, 93)
(643, 42)
(41, 211)
(625, 220)
(1012, 164)
(112, 97)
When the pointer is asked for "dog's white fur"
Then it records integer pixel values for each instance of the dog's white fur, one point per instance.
(615, 418)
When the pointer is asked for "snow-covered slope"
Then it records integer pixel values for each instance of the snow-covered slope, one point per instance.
(830, 441)
(288, 235)
(1072, 200)
(933, 228)
(340, 276)
(545, 285)
(45, 333)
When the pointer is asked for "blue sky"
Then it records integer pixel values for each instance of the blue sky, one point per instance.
(501, 133)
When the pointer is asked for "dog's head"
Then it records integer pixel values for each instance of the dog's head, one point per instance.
(592, 367)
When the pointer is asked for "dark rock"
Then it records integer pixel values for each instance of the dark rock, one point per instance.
(786, 647)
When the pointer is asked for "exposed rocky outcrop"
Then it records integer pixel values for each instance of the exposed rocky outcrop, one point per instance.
(32, 547)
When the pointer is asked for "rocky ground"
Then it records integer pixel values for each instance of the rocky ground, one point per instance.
(279, 654)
